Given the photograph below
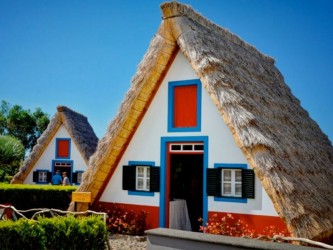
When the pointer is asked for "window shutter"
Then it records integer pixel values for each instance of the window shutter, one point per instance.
(49, 176)
(213, 182)
(129, 178)
(154, 179)
(248, 183)
(35, 176)
(74, 177)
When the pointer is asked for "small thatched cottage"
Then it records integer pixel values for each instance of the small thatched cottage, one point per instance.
(210, 122)
(66, 145)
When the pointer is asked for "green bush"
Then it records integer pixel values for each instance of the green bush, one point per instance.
(22, 234)
(54, 233)
(25, 197)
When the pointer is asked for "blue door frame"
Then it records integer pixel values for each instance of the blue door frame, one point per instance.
(163, 184)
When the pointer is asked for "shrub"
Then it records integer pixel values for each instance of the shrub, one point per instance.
(74, 233)
(229, 226)
(22, 234)
(124, 221)
(54, 233)
(25, 197)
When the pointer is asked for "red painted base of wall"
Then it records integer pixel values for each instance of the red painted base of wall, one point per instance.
(152, 218)
(255, 222)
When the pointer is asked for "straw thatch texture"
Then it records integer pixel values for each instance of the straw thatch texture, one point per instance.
(288, 151)
(79, 129)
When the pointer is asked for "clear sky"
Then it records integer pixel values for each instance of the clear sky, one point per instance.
(83, 54)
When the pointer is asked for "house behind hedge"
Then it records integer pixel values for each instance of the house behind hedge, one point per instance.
(65, 145)
(209, 119)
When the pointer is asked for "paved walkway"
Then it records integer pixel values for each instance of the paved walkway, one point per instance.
(125, 242)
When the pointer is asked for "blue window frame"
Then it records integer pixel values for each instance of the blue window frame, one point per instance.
(171, 106)
(141, 163)
(229, 166)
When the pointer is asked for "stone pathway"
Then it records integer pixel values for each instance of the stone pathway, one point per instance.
(127, 242)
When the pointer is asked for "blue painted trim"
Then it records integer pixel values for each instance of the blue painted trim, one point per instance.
(141, 193)
(232, 166)
(69, 150)
(164, 141)
(172, 86)
(141, 163)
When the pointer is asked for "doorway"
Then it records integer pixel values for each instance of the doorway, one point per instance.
(186, 181)
(64, 166)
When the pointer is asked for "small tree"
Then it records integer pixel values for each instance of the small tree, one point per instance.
(22, 124)
(11, 156)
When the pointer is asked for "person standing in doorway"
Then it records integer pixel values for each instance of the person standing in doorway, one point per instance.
(56, 179)
(65, 181)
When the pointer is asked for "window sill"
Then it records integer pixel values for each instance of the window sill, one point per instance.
(231, 199)
(141, 193)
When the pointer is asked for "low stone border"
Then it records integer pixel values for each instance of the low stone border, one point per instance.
(162, 238)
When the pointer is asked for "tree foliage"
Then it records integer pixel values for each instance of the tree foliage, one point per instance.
(11, 156)
(22, 124)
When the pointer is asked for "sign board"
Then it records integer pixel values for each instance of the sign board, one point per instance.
(81, 197)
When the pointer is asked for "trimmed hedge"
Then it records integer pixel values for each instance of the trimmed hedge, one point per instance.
(54, 233)
(25, 197)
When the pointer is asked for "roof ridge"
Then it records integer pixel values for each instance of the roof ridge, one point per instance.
(176, 9)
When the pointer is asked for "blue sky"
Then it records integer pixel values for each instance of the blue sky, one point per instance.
(83, 54)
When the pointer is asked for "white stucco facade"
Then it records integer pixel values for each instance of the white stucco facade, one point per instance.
(146, 146)
(49, 155)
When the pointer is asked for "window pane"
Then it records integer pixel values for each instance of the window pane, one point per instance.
(140, 171)
(198, 147)
(79, 177)
(187, 147)
(139, 184)
(238, 190)
(227, 175)
(238, 174)
(226, 188)
(142, 178)
(175, 147)
(148, 184)
(42, 177)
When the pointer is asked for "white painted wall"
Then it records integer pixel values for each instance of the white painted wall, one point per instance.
(45, 161)
(145, 146)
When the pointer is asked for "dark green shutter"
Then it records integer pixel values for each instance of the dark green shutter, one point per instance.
(213, 182)
(49, 176)
(248, 183)
(35, 176)
(74, 177)
(129, 177)
(154, 179)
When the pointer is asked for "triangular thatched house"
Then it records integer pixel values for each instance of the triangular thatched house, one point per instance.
(66, 145)
(205, 110)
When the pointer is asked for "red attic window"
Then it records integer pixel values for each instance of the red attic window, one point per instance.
(63, 148)
(185, 106)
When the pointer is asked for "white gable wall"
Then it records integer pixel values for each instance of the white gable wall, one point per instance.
(145, 146)
(45, 161)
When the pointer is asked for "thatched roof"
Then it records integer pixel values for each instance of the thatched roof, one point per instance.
(288, 151)
(79, 129)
